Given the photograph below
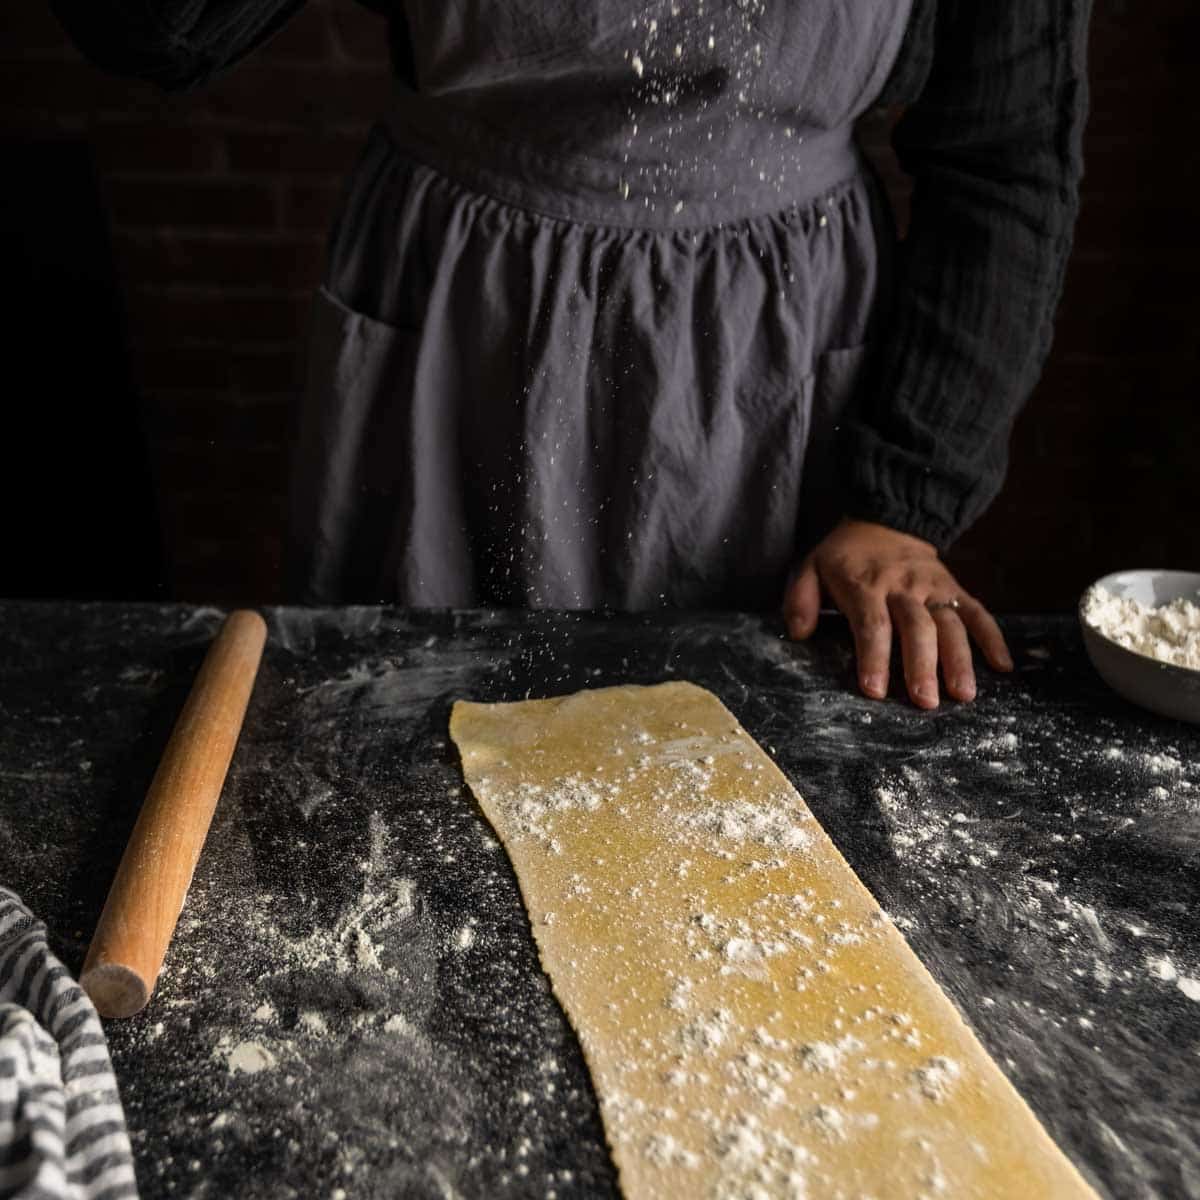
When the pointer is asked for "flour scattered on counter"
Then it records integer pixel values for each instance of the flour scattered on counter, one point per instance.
(1189, 987)
(1162, 968)
(366, 953)
(348, 946)
(314, 1023)
(345, 946)
(1169, 633)
(1161, 764)
(246, 1058)
(1001, 743)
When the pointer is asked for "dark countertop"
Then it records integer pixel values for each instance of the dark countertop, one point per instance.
(355, 932)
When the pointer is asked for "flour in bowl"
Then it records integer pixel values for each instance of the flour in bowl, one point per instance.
(1169, 632)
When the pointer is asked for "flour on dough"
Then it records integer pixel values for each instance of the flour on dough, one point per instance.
(754, 1025)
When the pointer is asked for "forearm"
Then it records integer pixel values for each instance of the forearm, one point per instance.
(993, 144)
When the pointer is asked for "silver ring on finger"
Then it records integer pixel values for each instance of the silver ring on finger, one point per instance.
(935, 605)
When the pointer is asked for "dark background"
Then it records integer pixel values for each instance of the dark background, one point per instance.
(161, 250)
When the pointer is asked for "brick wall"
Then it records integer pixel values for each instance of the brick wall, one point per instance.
(1101, 475)
(218, 201)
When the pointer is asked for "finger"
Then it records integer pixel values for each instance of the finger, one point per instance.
(954, 653)
(981, 625)
(918, 648)
(871, 626)
(802, 601)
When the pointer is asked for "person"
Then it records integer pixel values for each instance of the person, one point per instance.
(616, 316)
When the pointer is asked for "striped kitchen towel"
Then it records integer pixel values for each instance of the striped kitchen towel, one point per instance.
(62, 1130)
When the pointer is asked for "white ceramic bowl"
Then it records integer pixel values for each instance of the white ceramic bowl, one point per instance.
(1161, 687)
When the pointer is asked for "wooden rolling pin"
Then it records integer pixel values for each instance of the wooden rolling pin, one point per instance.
(151, 883)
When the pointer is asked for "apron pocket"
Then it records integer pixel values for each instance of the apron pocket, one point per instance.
(718, 522)
(352, 445)
(838, 379)
(780, 424)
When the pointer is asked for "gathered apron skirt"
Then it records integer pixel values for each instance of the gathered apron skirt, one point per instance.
(532, 390)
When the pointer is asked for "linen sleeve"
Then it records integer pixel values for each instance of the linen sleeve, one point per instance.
(993, 142)
(176, 44)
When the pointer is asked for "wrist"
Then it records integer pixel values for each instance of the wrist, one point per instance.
(878, 529)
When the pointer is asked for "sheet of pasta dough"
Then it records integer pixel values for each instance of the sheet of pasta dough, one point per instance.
(754, 1025)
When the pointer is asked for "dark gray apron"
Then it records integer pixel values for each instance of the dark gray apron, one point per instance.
(600, 289)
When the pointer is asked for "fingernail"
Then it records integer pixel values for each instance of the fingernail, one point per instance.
(874, 684)
(926, 693)
(1006, 663)
(965, 688)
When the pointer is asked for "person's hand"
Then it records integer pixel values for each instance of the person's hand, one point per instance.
(884, 581)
